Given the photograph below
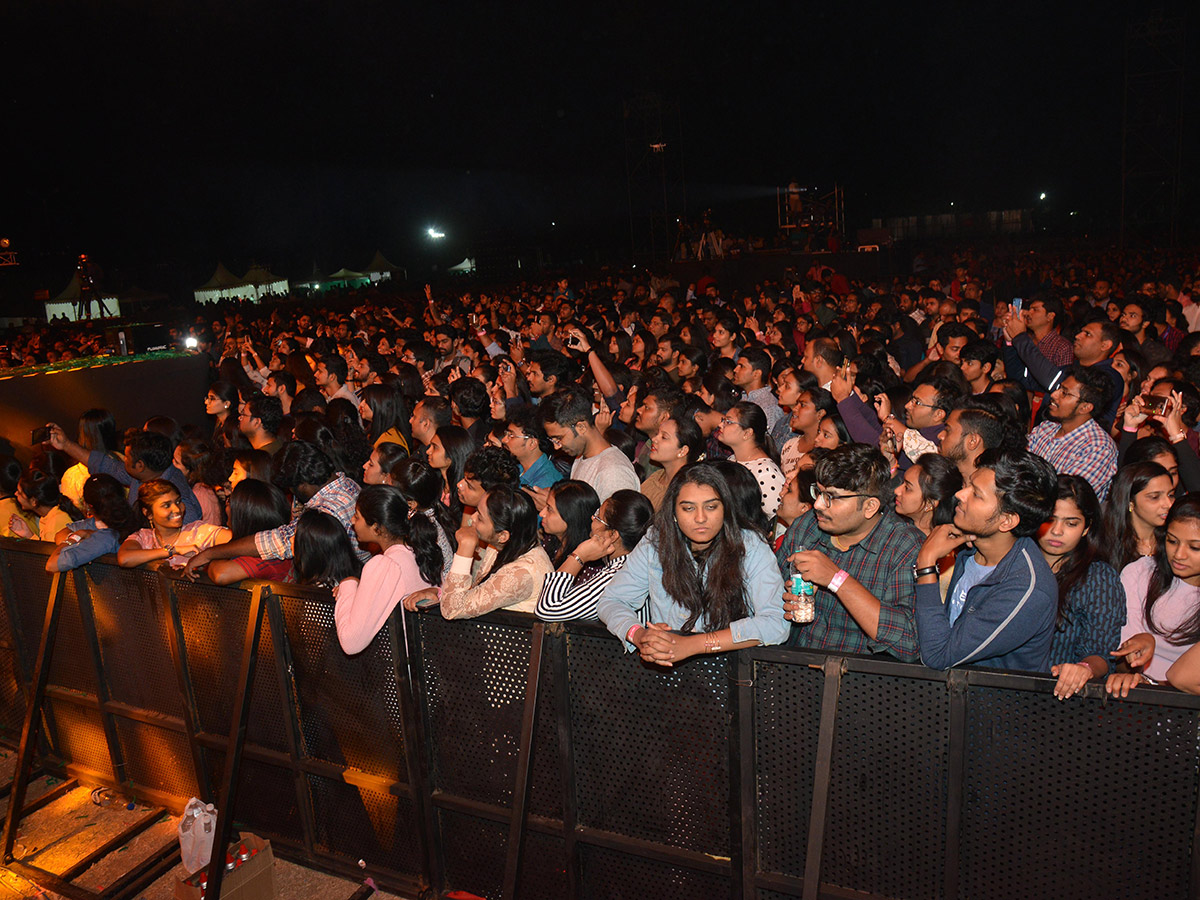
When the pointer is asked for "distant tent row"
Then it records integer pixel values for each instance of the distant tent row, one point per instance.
(225, 285)
(378, 270)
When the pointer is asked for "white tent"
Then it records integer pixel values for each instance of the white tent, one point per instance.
(466, 267)
(380, 269)
(261, 282)
(223, 284)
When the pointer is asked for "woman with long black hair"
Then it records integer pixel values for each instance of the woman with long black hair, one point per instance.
(111, 520)
(567, 518)
(1138, 502)
(448, 452)
(1162, 594)
(744, 431)
(382, 517)
(421, 486)
(1091, 602)
(511, 570)
(384, 412)
(712, 585)
(254, 506)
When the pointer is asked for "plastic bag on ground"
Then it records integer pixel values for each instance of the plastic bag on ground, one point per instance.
(197, 829)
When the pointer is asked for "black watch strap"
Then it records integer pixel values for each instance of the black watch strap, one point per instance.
(921, 573)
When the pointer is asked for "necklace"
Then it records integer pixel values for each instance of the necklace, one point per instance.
(833, 539)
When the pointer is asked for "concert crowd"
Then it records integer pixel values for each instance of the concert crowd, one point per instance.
(978, 464)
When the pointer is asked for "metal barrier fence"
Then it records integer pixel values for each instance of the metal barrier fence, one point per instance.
(509, 758)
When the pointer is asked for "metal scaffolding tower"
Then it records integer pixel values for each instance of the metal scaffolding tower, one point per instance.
(654, 173)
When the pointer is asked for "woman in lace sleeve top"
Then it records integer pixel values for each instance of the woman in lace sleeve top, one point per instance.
(512, 568)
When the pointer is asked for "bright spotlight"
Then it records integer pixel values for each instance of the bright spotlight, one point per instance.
(191, 343)
(435, 234)
(1042, 196)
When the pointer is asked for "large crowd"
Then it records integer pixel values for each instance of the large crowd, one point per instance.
(977, 464)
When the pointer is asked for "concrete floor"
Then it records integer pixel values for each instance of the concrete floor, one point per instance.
(71, 826)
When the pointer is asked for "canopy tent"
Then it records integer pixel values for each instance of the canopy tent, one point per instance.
(259, 282)
(68, 303)
(223, 284)
(263, 282)
(380, 269)
(466, 267)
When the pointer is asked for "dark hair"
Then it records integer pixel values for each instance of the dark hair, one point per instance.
(308, 400)
(514, 512)
(555, 365)
(1095, 387)
(493, 466)
(10, 475)
(1014, 392)
(384, 506)
(527, 420)
(1074, 569)
(629, 514)
(438, 409)
(829, 350)
(567, 408)
(268, 410)
(335, 365)
(301, 463)
(750, 416)
(1161, 579)
(940, 480)
(458, 446)
(471, 397)
(721, 597)
(388, 410)
(576, 502)
(422, 485)
(758, 360)
(1026, 485)
(167, 427)
(152, 449)
(996, 430)
(725, 394)
(149, 491)
(285, 381)
(952, 330)
(98, 431)
(858, 468)
(1131, 480)
(256, 463)
(256, 506)
(43, 490)
(747, 496)
(689, 435)
(1148, 449)
(199, 461)
(980, 351)
(105, 497)
(389, 454)
(323, 554)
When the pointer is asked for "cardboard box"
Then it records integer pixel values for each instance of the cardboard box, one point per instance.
(252, 880)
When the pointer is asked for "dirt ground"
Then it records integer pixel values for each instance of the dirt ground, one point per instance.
(71, 826)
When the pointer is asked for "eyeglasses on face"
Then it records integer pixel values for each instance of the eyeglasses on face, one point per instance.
(596, 518)
(829, 497)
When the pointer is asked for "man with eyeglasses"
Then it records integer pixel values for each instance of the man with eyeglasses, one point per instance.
(859, 554)
(523, 438)
(1071, 440)
(570, 424)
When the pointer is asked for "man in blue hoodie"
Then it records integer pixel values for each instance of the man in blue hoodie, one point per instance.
(1003, 598)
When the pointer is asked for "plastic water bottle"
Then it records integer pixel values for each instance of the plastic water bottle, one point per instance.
(805, 594)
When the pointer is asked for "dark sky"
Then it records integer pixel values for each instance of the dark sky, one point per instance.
(305, 132)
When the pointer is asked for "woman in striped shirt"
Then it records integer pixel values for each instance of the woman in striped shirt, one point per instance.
(617, 527)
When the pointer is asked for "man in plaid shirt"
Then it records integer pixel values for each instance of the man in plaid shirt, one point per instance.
(1072, 441)
(860, 556)
(311, 477)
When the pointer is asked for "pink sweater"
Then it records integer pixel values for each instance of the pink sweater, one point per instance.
(364, 604)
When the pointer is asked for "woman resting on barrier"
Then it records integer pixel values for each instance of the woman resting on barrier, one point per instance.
(421, 486)
(1091, 601)
(322, 554)
(511, 571)
(567, 519)
(254, 506)
(713, 585)
(167, 537)
(112, 520)
(617, 528)
(1162, 595)
(411, 561)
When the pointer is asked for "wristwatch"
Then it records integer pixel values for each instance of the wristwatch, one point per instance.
(921, 573)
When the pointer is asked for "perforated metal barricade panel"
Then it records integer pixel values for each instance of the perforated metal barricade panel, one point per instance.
(214, 628)
(132, 622)
(473, 849)
(72, 665)
(651, 745)
(13, 677)
(546, 785)
(80, 738)
(31, 591)
(787, 721)
(885, 830)
(157, 758)
(349, 709)
(616, 876)
(266, 798)
(474, 675)
(1079, 799)
(357, 823)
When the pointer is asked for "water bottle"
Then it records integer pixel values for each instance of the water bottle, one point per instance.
(805, 594)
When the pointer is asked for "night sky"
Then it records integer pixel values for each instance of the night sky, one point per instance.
(292, 133)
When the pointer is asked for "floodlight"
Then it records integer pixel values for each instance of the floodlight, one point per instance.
(435, 234)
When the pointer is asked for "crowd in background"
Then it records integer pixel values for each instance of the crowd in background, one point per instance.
(986, 462)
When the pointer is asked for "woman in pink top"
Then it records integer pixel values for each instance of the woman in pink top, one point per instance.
(411, 561)
(167, 537)
(1162, 594)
